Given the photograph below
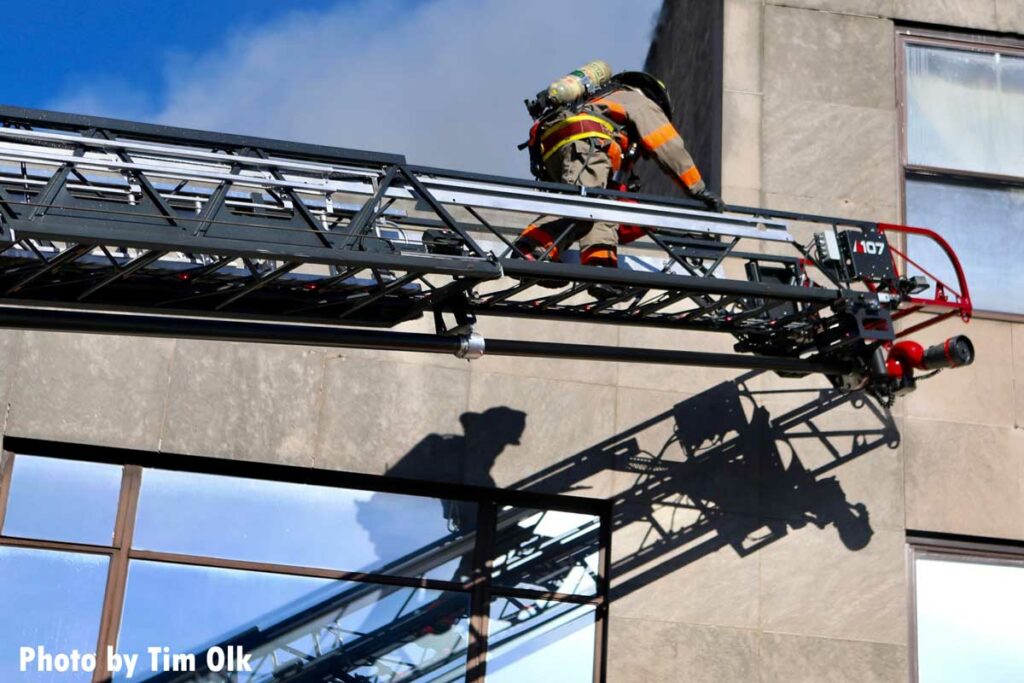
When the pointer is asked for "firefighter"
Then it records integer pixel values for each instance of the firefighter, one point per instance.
(591, 144)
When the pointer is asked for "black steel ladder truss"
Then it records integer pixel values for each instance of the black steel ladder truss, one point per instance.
(100, 218)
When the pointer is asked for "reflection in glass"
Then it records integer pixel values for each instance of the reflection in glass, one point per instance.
(546, 550)
(183, 607)
(985, 227)
(63, 500)
(969, 621)
(289, 624)
(372, 634)
(49, 599)
(316, 526)
(529, 640)
(965, 110)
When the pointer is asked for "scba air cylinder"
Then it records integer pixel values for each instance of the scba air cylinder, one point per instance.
(585, 79)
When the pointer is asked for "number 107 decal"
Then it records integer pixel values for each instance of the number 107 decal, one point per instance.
(869, 247)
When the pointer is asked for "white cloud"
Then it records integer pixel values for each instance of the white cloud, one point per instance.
(441, 82)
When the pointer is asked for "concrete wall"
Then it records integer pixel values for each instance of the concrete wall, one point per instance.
(760, 522)
(810, 124)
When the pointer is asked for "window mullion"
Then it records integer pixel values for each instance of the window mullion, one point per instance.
(604, 577)
(117, 573)
(480, 599)
(6, 468)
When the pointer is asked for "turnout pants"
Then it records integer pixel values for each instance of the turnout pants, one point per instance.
(583, 163)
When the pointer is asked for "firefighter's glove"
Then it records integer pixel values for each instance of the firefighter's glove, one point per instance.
(710, 199)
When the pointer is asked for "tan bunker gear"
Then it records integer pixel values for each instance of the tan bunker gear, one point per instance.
(586, 148)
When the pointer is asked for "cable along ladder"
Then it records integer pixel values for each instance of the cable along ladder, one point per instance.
(128, 228)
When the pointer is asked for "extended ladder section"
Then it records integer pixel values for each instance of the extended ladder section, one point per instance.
(113, 226)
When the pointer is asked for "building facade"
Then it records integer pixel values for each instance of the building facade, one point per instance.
(626, 521)
(881, 110)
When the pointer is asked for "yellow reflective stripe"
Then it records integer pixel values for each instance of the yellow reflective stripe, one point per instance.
(576, 119)
(573, 138)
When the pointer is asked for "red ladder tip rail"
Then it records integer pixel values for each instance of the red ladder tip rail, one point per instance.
(945, 302)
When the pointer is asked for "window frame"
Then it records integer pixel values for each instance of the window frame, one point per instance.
(972, 42)
(950, 548)
(481, 589)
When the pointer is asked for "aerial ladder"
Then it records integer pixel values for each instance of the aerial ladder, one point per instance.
(110, 226)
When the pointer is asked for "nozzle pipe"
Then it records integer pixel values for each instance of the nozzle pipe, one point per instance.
(952, 353)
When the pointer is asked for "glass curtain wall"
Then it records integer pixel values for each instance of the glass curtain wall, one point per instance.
(313, 581)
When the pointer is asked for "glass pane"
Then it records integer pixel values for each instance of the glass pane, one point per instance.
(366, 631)
(51, 600)
(965, 110)
(546, 550)
(985, 227)
(316, 526)
(969, 621)
(531, 639)
(63, 500)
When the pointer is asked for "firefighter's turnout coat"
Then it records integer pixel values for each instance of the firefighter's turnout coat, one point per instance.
(585, 148)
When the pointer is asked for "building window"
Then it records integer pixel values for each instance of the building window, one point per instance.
(962, 105)
(371, 581)
(967, 604)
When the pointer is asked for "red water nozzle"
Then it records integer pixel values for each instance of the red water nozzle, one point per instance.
(953, 353)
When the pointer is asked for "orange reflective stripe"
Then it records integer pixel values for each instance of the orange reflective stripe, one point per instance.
(615, 156)
(616, 112)
(599, 253)
(537, 234)
(691, 177)
(539, 237)
(659, 137)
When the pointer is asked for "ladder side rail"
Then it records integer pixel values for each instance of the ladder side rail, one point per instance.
(39, 118)
(190, 152)
(640, 197)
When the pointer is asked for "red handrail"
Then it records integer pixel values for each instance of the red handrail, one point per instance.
(954, 300)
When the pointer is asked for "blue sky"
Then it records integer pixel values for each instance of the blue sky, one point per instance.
(60, 46)
(440, 81)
